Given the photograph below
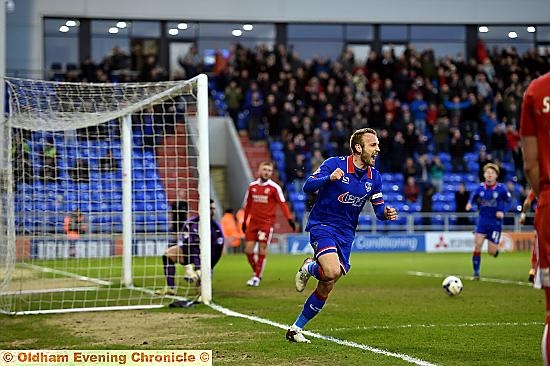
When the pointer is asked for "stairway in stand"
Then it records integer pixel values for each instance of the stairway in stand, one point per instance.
(177, 166)
(256, 152)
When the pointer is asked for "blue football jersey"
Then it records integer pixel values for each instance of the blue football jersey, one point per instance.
(489, 200)
(340, 202)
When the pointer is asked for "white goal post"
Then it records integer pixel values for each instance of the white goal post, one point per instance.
(90, 178)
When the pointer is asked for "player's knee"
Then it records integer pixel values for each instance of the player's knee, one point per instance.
(331, 273)
(325, 287)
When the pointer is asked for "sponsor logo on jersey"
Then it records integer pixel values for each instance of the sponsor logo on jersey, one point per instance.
(260, 198)
(345, 180)
(347, 197)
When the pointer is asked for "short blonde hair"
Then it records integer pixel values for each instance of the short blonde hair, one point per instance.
(357, 138)
(491, 166)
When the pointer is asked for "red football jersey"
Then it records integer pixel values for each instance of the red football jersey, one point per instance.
(535, 121)
(261, 201)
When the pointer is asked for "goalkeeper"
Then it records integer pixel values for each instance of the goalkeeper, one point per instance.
(187, 251)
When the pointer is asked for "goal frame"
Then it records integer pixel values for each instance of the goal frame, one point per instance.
(203, 166)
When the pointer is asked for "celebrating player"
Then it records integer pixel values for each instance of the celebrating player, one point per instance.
(535, 124)
(187, 250)
(345, 184)
(261, 201)
(492, 199)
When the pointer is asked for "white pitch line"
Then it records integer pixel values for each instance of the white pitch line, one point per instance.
(341, 342)
(482, 279)
(67, 274)
(463, 325)
(47, 291)
(85, 310)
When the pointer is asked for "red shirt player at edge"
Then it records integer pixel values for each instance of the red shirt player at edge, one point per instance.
(535, 137)
(260, 205)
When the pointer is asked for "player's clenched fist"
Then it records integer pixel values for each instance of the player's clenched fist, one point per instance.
(337, 174)
(390, 213)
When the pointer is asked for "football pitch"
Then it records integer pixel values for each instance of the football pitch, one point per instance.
(389, 310)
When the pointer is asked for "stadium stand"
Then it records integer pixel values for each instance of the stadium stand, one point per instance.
(424, 107)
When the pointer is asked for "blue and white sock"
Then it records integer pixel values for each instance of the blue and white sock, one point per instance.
(313, 305)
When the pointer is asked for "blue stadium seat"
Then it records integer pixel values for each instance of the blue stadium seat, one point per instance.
(242, 120)
(444, 157)
(397, 178)
(276, 146)
(468, 157)
(365, 219)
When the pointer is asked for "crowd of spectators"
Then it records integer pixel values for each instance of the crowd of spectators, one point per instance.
(422, 107)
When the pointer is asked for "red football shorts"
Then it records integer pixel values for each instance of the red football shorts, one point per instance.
(259, 232)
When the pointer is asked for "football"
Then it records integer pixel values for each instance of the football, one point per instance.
(452, 285)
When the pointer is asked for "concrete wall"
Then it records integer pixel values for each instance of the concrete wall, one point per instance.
(226, 150)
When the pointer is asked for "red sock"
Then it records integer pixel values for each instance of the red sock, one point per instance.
(260, 265)
(533, 258)
(251, 260)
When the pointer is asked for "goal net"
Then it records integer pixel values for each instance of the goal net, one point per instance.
(90, 181)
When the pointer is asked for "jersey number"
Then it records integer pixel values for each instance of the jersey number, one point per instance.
(546, 104)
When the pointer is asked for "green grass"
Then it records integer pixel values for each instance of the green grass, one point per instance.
(378, 305)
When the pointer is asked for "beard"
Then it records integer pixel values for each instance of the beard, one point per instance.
(366, 158)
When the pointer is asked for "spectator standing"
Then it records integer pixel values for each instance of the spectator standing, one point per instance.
(191, 62)
(457, 149)
(74, 225)
(108, 163)
(427, 203)
(437, 170)
(232, 235)
(412, 190)
(461, 200)
(234, 99)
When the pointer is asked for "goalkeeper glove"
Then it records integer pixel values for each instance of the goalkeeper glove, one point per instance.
(292, 224)
(244, 227)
